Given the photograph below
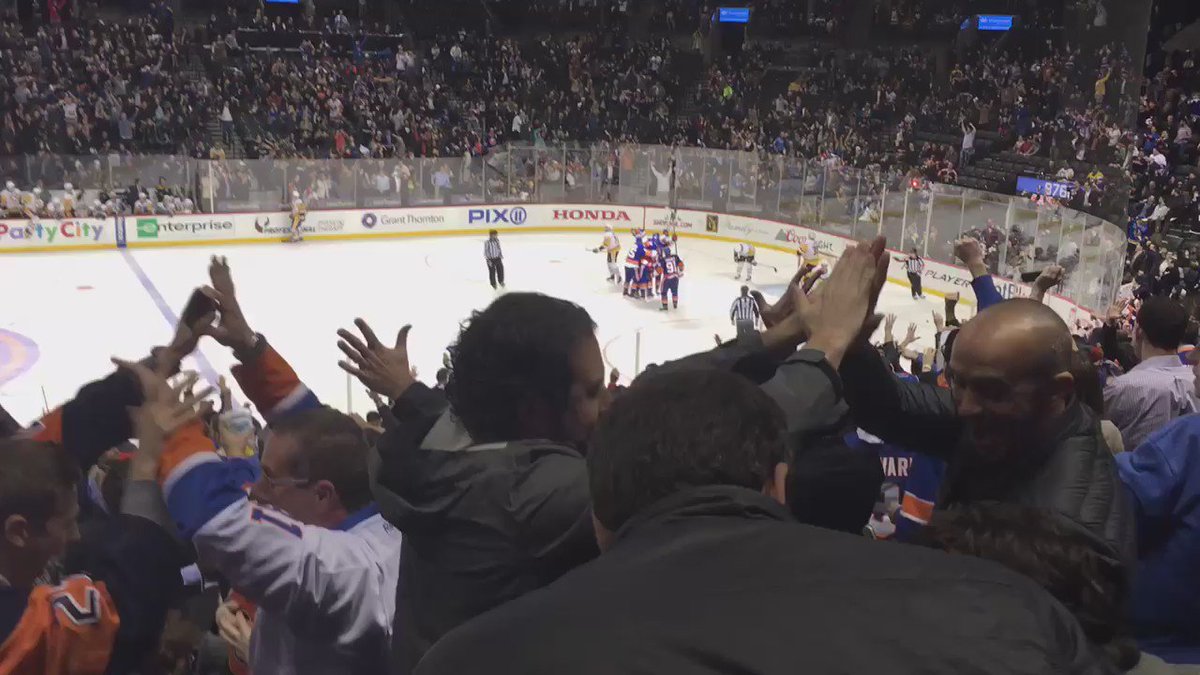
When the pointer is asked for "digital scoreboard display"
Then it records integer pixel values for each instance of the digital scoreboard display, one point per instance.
(1046, 188)
(996, 22)
(733, 15)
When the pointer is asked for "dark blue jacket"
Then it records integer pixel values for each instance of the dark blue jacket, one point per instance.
(1163, 474)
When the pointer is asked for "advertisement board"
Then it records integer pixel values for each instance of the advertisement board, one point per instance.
(152, 229)
(48, 234)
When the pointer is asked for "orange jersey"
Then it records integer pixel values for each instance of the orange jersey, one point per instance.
(67, 629)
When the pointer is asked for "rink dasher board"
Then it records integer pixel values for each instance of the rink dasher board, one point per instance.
(221, 229)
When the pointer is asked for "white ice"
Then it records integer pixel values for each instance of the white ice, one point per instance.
(82, 308)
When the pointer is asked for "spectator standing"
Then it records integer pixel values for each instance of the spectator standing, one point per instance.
(494, 258)
(227, 125)
(1163, 475)
(968, 143)
(1011, 425)
(1160, 387)
(688, 478)
(744, 313)
(307, 546)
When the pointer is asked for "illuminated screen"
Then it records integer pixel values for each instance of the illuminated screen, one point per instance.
(733, 15)
(995, 22)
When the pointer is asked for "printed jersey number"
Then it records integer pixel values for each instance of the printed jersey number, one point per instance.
(262, 516)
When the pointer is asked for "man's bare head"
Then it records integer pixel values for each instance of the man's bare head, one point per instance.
(1010, 376)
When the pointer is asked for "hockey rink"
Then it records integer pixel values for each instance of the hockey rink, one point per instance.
(65, 314)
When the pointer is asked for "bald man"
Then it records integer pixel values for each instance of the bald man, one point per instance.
(1010, 424)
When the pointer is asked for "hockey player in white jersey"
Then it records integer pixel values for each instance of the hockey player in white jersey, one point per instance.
(69, 201)
(10, 199)
(612, 253)
(55, 208)
(311, 550)
(743, 255)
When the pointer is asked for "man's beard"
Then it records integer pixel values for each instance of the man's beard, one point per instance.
(992, 466)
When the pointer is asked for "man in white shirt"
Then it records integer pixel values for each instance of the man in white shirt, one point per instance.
(968, 143)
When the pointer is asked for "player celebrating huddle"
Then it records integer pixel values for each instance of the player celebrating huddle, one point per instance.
(299, 211)
(612, 250)
(672, 266)
(633, 264)
(743, 255)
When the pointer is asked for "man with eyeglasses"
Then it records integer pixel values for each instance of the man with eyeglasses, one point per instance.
(308, 546)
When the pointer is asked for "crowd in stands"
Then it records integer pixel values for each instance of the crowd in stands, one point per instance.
(1020, 497)
(1026, 490)
(86, 88)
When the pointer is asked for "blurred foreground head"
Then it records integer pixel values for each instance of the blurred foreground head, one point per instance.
(675, 431)
(1010, 374)
(527, 367)
(1051, 550)
(38, 507)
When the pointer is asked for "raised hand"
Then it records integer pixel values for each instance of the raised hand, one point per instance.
(1115, 312)
(842, 310)
(968, 250)
(232, 329)
(1049, 278)
(226, 394)
(773, 314)
(910, 335)
(939, 323)
(165, 408)
(382, 369)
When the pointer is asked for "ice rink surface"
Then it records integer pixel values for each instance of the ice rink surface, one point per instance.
(79, 309)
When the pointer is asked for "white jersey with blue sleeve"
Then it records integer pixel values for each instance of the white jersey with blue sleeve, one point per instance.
(326, 597)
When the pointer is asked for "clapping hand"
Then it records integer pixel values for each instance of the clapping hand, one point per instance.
(773, 314)
(843, 309)
(382, 369)
(165, 408)
(231, 330)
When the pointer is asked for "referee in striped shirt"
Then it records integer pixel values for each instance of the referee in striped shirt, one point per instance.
(744, 313)
(914, 265)
(494, 258)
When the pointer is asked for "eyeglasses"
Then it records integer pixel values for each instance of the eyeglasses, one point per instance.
(276, 483)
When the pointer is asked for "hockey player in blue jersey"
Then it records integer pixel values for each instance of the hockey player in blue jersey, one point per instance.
(672, 266)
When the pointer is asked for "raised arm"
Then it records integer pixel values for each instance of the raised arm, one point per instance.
(1049, 278)
(139, 558)
(96, 419)
(302, 572)
(918, 416)
(970, 252)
